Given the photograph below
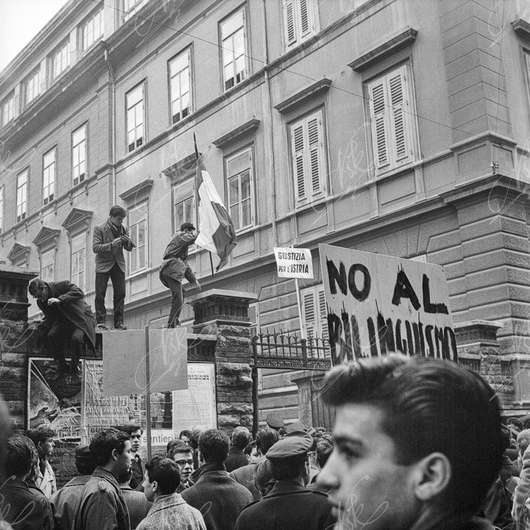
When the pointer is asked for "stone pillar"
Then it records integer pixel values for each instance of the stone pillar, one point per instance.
(225, 314)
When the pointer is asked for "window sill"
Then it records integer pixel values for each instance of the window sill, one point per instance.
(137, 274)
(306, 204)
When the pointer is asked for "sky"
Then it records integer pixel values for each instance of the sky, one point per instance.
(20, 21)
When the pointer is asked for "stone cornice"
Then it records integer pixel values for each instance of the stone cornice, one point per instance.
(314, 89)
(237, 133)
(77, 218)
(139, 190)
(181, 170)
(521, 26)
(45, 236)
(18, 250)
(390, 45)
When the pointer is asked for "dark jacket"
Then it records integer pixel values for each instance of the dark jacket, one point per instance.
(106, 255)
(175, 263)
(66, 501)
(137, 468)
(246, 476)
(288, 505)
(23, 507)
(137, 504)
(236, 458)
(72, 309)
(218, 496)
(102, 505)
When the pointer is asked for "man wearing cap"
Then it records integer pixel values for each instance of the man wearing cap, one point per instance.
(289, 504)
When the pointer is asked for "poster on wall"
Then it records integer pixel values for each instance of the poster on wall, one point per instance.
(196, 406)
(53, 401)
(378, 304)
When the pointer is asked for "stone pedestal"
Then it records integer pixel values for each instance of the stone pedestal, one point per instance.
(224, 314)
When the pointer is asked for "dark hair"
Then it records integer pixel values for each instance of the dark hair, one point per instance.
(84, 460)
(129, 429)
(323, 448)
(104, 442)
(117, 211)
(265, 439)
(430, 405)
(40, 434)
(186, 433)
(288, 468)
(34, 285)
(177, 446)
(240, 437)
(214, 445)
(21, 456)
(166, 472)
(194, 437)
(125, 476)
(187, 226)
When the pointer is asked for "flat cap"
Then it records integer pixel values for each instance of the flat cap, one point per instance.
(274, 421)
(290, 447)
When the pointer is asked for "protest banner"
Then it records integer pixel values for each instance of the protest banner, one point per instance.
(380, 304)
(294, 262)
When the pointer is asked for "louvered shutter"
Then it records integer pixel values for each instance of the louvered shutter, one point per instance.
(398, 90)
(290, 24)
(323, 313)
(306, 25)
(310, 313)
(377, 102)
(314, 135)
(297, 140)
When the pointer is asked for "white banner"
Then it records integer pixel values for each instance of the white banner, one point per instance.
(379, 304)
(294, 262)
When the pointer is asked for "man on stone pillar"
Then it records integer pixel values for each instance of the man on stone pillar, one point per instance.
(108, 243)
(175, 268)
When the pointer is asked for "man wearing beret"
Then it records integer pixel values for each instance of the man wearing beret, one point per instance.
(289, 504)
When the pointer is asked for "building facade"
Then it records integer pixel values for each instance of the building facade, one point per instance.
(393, 126)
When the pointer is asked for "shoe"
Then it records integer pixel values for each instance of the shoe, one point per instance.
(120, 325)
(101, 327)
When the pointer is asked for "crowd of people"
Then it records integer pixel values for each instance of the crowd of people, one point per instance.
(417, 445)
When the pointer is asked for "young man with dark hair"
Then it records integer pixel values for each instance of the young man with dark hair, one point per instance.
(137, 467)
(418, 444)
(66, 500)
(43, 437)
(182, 454)
(219, 497)
(236, 454)
(289, 504)
(108, 243)
(175, 268)
(169, 511)
(102, 506)
(23, 506)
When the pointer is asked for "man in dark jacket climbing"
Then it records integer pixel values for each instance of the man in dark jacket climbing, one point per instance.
(67, 318)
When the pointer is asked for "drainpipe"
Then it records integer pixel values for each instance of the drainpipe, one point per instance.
(112, 125)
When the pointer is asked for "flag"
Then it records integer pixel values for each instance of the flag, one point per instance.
(216, 229)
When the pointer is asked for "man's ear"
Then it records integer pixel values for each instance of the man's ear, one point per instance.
(432, 476)
(154, 486)
(115, 454)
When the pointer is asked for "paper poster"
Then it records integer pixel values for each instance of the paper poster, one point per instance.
(294, 262)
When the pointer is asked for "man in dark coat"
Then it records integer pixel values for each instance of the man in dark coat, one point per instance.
(66, 318)
(175, 268)
(108, 242)
(216, 494)
(289, 504)
(236, 456)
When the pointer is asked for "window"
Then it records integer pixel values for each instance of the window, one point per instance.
(32, 86)
(1, 209)
(92, 30)
(48, 176)
(314, 312)
(130, 7)
(180, 85)
(78, 260)
(22, 195)
(308, 157)
(135, 117)
(183, 210)
(60, 59)
(233, 49)
(299, 21)
(79, 154)
(138, 233)
(8, 109)
(239, 184)
(47, 265)
(392, 123)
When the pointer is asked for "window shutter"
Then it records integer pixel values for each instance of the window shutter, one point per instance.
(400, 116)
(323, 313)
(297, 138)
(290, 28)
(309, 313)
(305, 17)
(314, 134)
(377, 118)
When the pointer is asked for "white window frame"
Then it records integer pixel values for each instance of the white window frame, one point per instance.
(8, 109)
(308, 157)
(2, 206)
(392, 120)
(60, 59)
(178, 75)
(135, 111)
(314, 312)
(79, 154)
(300, 21)
(239, 202)
(22, 194)
(47, 264)
(49, 175)
(32, 86)
(227, 43)
(130, 7)
(78, 262)
(92, 29)
(135, 268)
(188, 202)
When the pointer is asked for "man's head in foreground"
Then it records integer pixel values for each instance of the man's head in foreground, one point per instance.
(415, 440)
(161, 477)
(111, 449)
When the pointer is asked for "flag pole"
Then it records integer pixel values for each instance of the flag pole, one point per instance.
(147, 394)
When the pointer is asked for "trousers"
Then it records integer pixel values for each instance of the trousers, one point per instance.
(58, 337)
(177, 300)
(117, 277)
